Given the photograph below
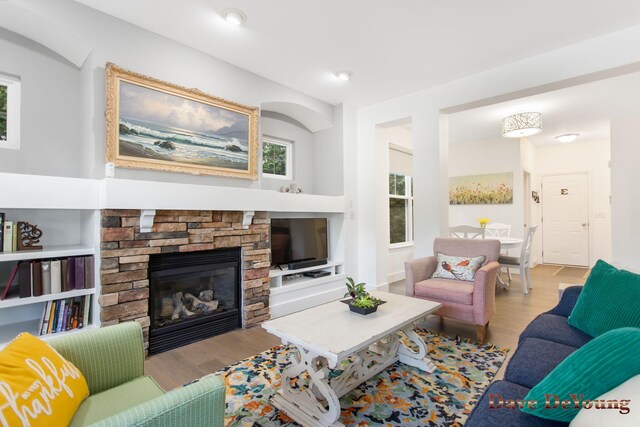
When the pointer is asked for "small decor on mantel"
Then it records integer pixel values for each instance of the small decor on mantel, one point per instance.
(361, 301)
(291, 188)
(28, 237)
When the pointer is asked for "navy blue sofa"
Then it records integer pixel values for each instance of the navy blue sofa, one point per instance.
(544, 343)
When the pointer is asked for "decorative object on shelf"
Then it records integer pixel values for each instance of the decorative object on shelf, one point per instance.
(200, 134)
(483, 222)
(521, 125)
(361, 301)
(535, 196)
(487, 189)
(29, 236)
(291, 188)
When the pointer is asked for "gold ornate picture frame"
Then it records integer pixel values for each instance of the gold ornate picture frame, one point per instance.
(153, 124)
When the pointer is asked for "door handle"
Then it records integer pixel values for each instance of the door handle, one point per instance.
(584, 224)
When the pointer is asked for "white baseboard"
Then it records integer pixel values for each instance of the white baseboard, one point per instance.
(382, 287)
(394, 277)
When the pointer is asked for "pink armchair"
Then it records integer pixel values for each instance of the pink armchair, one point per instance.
(473, 302)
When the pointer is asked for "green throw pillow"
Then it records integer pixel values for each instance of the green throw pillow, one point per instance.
(608, 301)
(597, 367)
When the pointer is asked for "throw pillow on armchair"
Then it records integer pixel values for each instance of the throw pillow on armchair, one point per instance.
(456, 267)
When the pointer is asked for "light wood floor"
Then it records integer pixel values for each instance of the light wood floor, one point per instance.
(514, 311)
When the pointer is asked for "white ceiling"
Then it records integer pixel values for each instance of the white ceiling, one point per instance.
(392, 47)
(585, 109)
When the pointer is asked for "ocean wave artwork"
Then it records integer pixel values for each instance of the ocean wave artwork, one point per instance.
(161, 126)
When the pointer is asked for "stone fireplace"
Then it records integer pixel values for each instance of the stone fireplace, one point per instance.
(129, 266)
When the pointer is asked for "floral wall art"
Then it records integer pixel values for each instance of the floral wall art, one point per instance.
(486, 189)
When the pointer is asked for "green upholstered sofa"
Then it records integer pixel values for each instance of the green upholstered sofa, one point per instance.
(112, 361)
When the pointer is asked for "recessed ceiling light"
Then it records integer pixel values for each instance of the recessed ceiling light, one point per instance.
(234, 16)
(566, 138)
(344, 75)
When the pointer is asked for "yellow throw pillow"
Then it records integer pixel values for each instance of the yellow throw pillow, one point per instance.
(38, 387)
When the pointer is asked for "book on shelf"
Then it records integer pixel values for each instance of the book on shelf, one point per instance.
(2, 216)
(46, 277)
(56, 276)
(7, 243)
(14, 233)
(46, 313)
(79, 279)
(86, 310)
(36, 271)
(7, 288)
(24, 279)
(60, 322)
(65, 314)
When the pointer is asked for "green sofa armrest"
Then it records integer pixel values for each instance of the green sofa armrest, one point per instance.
(200, 404)
(107, 357)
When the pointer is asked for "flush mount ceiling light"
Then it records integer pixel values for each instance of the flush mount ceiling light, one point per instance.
(234, 16)
(568, 137)
(522, 124)
(344, 75)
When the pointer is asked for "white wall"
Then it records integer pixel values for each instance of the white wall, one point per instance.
(303, 142)
(625, 203)
(50, 111)
(548, 71)
(486, 157)
(328, 156)
(593, 158)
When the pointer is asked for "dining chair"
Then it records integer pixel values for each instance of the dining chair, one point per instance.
(466, 232)
(523, 262)
(498, 229)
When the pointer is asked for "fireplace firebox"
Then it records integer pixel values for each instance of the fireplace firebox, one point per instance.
(193, 296)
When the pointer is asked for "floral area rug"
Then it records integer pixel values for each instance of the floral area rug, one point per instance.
(398, 396)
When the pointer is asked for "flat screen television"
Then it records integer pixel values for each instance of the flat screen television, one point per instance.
(298, 239)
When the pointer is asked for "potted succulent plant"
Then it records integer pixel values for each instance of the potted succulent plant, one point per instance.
(361, 301)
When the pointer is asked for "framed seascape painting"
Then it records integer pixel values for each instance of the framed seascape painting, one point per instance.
(158, 125)
(487, 189)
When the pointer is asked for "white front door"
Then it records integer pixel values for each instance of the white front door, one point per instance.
(565, 219)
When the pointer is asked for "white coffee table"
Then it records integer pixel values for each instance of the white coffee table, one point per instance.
(327, 335)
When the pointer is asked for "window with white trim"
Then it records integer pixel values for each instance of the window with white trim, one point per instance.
(277, 155)
(400, 209)
(9, 112)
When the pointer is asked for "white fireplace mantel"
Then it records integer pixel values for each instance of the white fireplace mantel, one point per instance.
(48, 192)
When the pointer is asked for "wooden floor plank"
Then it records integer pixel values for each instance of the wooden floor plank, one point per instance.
(514, 311)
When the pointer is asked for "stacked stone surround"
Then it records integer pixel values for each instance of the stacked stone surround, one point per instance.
(125, 251)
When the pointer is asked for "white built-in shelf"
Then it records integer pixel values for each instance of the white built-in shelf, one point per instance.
(279, 277)
(10, 331)
(72, 331)
(133, 194)
(15, 302)
(276, 272)
(20, 191)
(304, 282)
(49, 252)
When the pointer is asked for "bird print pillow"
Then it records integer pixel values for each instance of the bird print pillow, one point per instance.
(457, 267)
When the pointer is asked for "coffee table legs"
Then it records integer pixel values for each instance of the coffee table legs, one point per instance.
(316, 405)
(418, 358)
